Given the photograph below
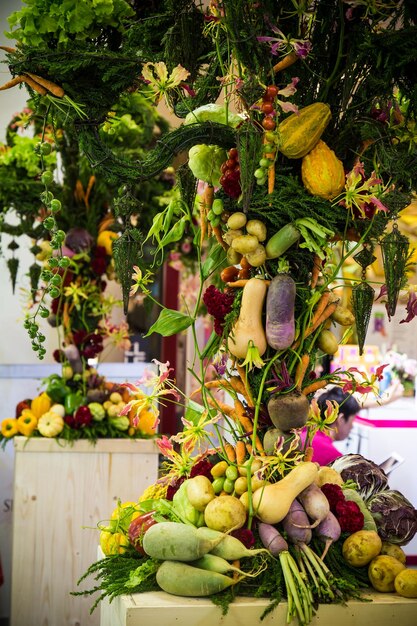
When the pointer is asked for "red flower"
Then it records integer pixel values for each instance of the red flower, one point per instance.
(201, 468)
(244, 535)
(218, 304)
(334, 494)
(349, 516)
(174, 486)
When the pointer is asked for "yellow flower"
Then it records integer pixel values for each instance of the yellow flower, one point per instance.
(253, 358)
(9, 427)
(160, 82)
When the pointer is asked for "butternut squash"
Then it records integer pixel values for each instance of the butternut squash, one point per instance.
(248, 326)
(272, 503)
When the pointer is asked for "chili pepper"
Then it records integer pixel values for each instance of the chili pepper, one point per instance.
(9, 427)
(72, 402)
(57, 389)
(27, 423)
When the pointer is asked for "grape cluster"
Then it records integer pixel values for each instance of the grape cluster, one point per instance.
(225, 477)
(230, 178)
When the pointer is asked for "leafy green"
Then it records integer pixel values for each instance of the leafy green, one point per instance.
(169, 323)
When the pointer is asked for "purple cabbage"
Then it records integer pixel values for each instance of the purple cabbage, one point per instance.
(369, 477)
(394, 515)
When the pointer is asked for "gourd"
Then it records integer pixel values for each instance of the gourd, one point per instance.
(248, 327)
(299, 133)
(272, 503)
(322, 172)
(50, 424)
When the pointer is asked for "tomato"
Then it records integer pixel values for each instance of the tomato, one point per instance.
(267, 107)
(229, 274)
(271, 92)
(268, 123)
(233, 153)
(138, 528)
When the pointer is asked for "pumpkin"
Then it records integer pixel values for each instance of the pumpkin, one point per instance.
(40, 405)
(50, 424)
(322, 172)
(301, 131)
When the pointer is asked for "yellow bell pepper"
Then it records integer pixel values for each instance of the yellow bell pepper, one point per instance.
(113, 543)
(9, 427)
(41, 404)
(27, 423)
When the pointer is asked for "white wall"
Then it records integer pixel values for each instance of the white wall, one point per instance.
(15, 345)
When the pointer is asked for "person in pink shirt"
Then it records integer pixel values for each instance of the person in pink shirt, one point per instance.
(324, 450)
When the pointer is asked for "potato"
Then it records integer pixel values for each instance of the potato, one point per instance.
(405, 583)
(245, 244)
(327, 342)
(256, 465)
(230, 235)
(343, 316)
(237, 220)
(257, 228)
(200, 491)
(225, 513)
(257, 257)
(233, 257)
(393, 550)
(361, 547)
(382, 572)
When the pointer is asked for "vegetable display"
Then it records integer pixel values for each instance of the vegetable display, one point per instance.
(303, 169)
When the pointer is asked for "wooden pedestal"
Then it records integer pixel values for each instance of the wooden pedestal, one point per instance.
(61, 492)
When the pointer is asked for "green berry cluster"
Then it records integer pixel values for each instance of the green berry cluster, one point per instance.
(214, 216)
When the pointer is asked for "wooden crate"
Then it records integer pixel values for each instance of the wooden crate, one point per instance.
(60, 493)
(162, 609)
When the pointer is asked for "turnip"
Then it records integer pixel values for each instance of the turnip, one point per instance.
(226, 546)
(328, 531)
(315, 504)
(272, 539)
(280, 324)
(288, 411)
(296, 524)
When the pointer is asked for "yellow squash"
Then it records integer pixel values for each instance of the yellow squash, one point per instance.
(300, 131)
(322, 172)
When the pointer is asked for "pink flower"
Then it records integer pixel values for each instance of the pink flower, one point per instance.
(411, 308)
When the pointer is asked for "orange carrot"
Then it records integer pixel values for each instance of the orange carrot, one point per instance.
(8, 49)
(271, 178)
(242, 282)
(221, 407)
(249, 448)
(246, 423)
(55, 89)
(313, 387)
(230, 452)
(12, 83)
(239, 386)
(321, 305)
(240, 452)
(217, 232)
(301, 370)
(34, 85)
(328, 311)
(315, 271)
(286, 62)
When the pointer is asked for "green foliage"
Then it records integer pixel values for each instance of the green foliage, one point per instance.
(53, 23)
